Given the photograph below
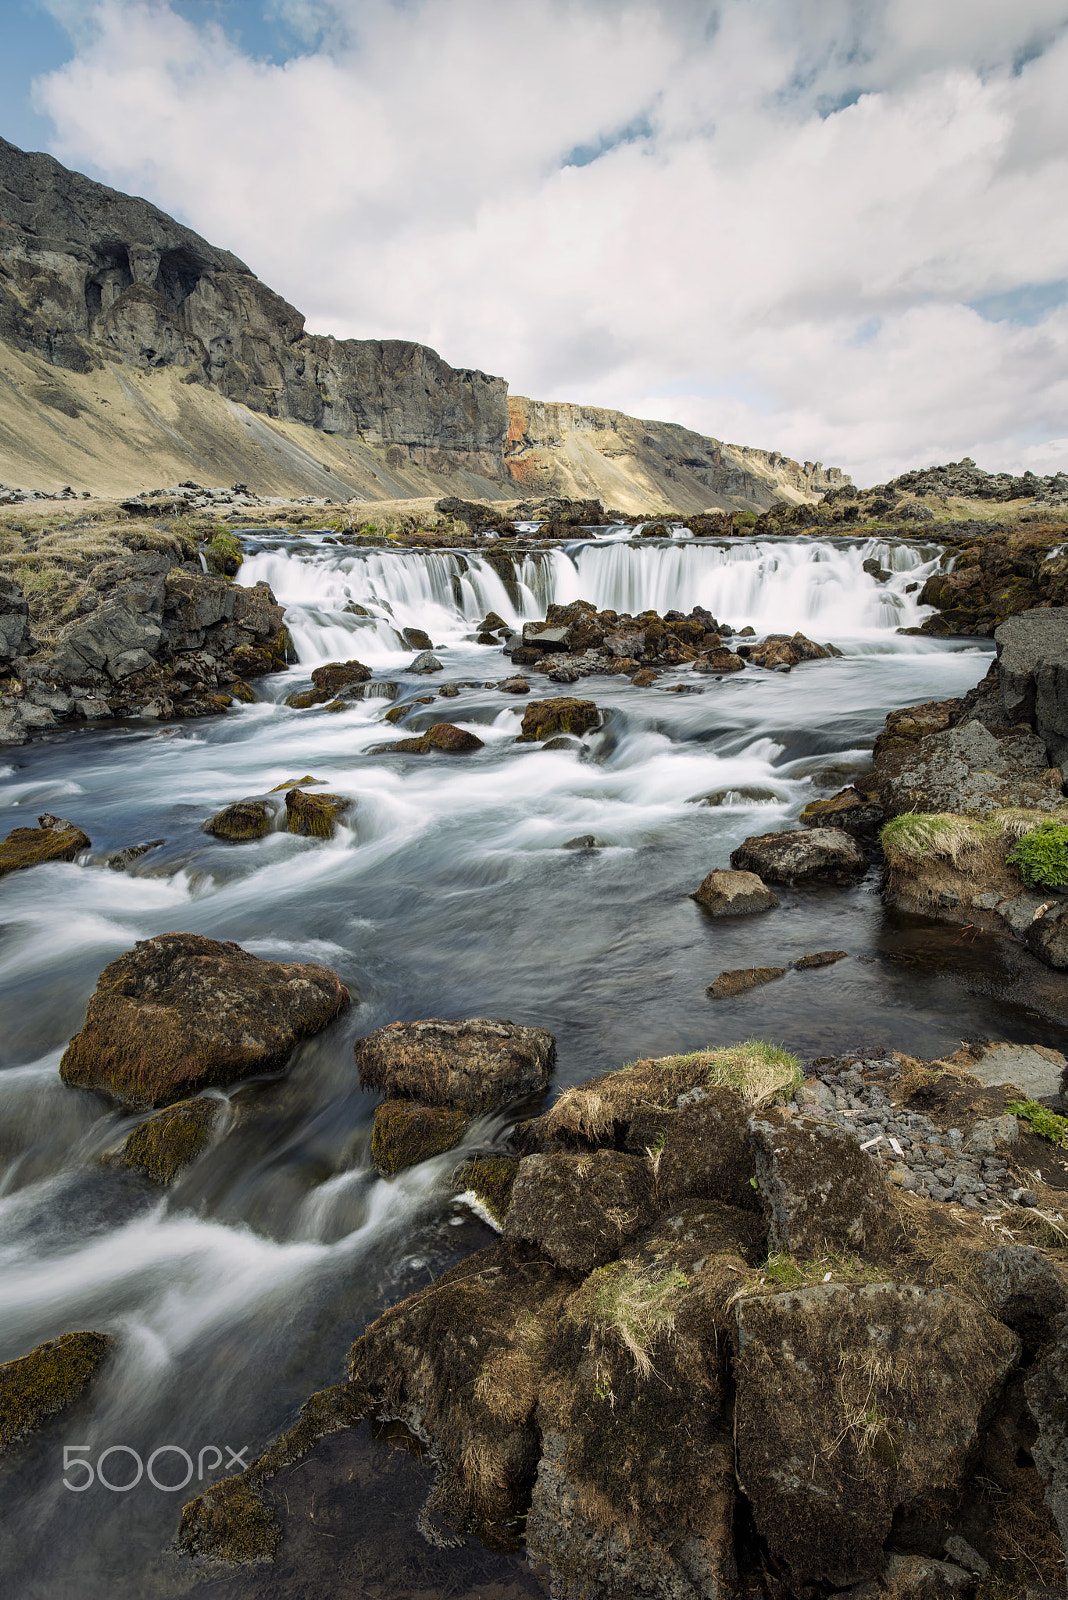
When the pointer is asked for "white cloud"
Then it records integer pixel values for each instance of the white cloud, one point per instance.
(796, 201)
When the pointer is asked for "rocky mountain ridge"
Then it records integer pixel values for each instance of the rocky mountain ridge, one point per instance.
(135, 351)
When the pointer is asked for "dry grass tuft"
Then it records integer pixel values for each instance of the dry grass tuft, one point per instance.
(633, 1306)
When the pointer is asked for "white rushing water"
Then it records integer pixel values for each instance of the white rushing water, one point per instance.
(817, 585)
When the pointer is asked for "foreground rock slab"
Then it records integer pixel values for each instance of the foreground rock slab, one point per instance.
(180, 1012)
(53, 839)
(804, 855)
(34, 1387)
(477, 1064)
(837, 1423)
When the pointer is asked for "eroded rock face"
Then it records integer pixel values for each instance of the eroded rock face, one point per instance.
(53, 839)
(970, 771)
(14, 623)
(180, 1012)
(1033, 674)
(475, 1063)
(34, 1387)
(580, 1210)
(837, 1423)
(807, 855)
(820, 1191)
(734, 894)
(1046, 1387)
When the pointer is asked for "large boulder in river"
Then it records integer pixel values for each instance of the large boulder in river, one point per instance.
(53, 839)
(1033, 674)
(179, 1012)
(441, 736)
(330, 682)
(243, 820)
(734, 894)
(34, 1387)
(476, 1063)
(543, 718)
(406, 1132)
(315, 816)
(855, 1399)
(807, 855)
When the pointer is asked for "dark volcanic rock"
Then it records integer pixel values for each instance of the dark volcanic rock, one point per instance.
(1033, 675)
(34, 1387)
(848, 810)
(838, 1424)
(968, 770)
(580, 1210)
(1025, 1291)
(14, 623)
(52, 840)
(475, 1063)
(179, 1012)
(820, 1190)
(734, 894)
(807, 855)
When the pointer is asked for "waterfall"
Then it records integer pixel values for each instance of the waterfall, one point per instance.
(342, 602)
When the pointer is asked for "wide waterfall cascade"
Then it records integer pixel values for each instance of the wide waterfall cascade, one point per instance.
(343, 603)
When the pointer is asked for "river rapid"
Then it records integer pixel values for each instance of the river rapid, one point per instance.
(451, 893)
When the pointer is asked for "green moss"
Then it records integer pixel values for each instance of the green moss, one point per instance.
(314, 816)
(223, 555)
(491, 1178)
(245, 819)
(31, 847)
(229, 1522)
(169, 1141)
(406, 1132)
(1042, 1120)
(36, 1386)
(1041, 856)
(544, 718)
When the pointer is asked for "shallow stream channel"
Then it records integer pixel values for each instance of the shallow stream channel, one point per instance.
(454, 889)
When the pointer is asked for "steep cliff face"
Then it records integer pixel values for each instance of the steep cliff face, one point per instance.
(134, 353)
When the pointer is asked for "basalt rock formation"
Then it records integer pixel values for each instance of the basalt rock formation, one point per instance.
(126, 339)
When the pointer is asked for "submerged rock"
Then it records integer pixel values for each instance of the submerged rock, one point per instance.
(734, 894)
(244, 819)
(820, 958)
(736, 981)
(406, 1132)
(315, 816)
(162, 1145)
(119, 860)
(807, 855)
(180, 1012)
(543, 718)
(34, 1387)
(52, 840)
(476, 1063)
(579, 1210)
(838, 1423)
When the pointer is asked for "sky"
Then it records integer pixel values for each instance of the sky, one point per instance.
(835, 228)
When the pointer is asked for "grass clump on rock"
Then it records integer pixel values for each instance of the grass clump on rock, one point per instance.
(1041, 856)
(1041, 1119)
(36, 1386)
(634, 1305)
(918, 834)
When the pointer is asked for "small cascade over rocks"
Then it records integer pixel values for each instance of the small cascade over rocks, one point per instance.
(341, 602)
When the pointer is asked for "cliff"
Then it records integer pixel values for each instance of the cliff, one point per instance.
(133, 352)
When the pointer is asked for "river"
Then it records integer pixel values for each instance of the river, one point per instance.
(238, 1292)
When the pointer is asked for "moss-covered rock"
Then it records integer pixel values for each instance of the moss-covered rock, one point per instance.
(34, 1387)
(580, 1210)
(180, 1012)
(244, 819)
(476, 1063)
(315, 816)
(852, 812)
(736, 981)
(251, 660)
(442, 736)
(490, 1180)
(819, 1189)
(229, 1522)
(161, 1146)
(241, 691)
(406, 1132)
(52, 840)
(565, 714)
(223, 554)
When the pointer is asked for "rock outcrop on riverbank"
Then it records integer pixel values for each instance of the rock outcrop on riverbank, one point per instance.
(692, 1358)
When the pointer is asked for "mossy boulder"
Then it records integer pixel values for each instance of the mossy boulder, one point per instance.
(34, 1387)
(802, 855)
(244, 819)
(329, 682)
(490, 1179)
(53, 839)
(405, 1132)
(477, 1063)
(180, 1012)
(315, 816)
(580, 1210)
(442, 736)
(162, 1145)
(820, 1190)
(855, 1400)
(223, 555)
(564, 714)
(848, 810)
(229, 1522)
